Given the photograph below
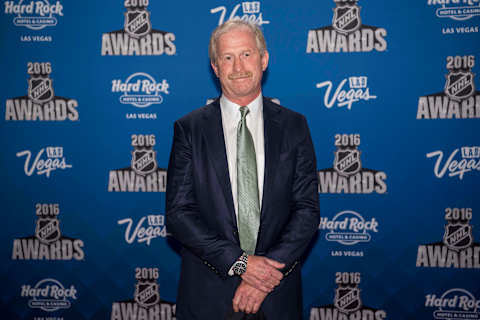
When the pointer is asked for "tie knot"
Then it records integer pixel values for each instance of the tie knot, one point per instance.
(244, 111)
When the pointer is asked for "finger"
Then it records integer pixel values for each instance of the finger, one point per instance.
(256, 307)
(264, 286)
(273, 274)
(235, 306)
(271, 284)
(249, 306)
(242, 304)
(266, 273)
(236, 301)
(269, 281)
(274, 263)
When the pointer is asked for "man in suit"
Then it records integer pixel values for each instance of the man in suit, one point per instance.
(242, 192)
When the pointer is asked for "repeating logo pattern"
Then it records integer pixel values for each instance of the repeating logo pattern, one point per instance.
(147, 229)
(34, 15)
(138, 37)
(348, 228)
(468, 162)
(347, 32)
(141, 90)
(456, 10)
(143, 175)
(146, 302)
(54, 160)
(347, 174)
(343, 97)
(459, 99)
(251, 13)
(347, 303)
(48, 242)
(454, 304)
(49, 295)
(457, 248)
(41, 104)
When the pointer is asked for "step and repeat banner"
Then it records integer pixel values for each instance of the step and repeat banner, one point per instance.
(89, 94)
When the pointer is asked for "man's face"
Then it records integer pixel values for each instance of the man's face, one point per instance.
(239, 65)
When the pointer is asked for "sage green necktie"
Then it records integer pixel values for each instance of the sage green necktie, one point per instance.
(247, 187)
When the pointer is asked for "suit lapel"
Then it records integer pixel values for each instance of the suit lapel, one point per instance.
(273, 138)
(214, 139)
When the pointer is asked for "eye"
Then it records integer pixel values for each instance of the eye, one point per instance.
(227, 57)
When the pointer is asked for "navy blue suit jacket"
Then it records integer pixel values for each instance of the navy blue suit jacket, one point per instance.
(200, 211)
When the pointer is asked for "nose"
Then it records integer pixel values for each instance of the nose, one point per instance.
(237, 64)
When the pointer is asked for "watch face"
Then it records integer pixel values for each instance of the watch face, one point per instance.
(239, 268)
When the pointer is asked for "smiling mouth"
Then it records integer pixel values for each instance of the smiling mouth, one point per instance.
(242, 75)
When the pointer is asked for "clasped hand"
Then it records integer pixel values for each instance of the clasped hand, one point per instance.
(261, 277)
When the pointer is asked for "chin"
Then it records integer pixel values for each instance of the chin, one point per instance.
(242, 93)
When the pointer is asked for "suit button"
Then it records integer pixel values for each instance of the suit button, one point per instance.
(235, 233)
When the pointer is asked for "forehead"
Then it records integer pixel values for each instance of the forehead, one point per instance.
(236, 39)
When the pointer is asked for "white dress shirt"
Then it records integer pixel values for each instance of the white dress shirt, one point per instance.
(230, 119)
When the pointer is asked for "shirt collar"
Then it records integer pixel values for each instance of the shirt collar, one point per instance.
(231, 112)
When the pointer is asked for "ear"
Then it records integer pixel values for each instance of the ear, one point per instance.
(214, 67)
(265, 60)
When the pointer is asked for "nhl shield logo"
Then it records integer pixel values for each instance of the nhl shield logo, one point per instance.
(459, 85)
(146, 294)
(40, 90)
(137, 23)
(458, 236)
(347, 162)
(47, 230)
(346, 19)
(347, 300)
(144, 161)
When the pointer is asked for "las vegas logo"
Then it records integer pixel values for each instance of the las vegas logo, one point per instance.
(347, 32)
(143, 175)
(347, 304)
(138, 37)
(457, 248)
(251, 13)
(146, 303)
(459, 98)
(40, 104)
(54, 160)
(155, 228)
(347, 174)
(461, 161)
(358, 91)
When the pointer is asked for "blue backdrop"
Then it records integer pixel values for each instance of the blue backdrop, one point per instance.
(91, 90)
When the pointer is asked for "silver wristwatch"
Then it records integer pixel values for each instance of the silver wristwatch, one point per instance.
(240, 266)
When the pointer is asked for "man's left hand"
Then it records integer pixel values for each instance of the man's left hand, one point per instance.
(263, 273)
(247, 298)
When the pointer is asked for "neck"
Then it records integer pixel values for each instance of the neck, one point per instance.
(243, 101)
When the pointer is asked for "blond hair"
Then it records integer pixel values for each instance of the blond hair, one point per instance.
(234, 25)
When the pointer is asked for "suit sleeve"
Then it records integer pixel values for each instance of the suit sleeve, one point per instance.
(304, 205)
(183, 217)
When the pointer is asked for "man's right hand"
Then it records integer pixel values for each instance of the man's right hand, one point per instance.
(263, 273)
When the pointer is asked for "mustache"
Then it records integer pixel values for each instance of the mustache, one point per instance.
(240, 75)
